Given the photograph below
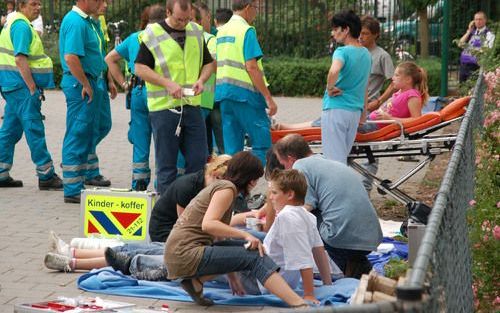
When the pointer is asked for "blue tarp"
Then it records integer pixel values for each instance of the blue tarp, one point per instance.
(108, 281)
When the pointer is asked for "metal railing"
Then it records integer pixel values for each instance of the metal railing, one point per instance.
(441, 278)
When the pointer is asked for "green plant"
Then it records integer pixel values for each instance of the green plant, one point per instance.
(51, 47)
(296, 76)
(484, 215)
(395, 268)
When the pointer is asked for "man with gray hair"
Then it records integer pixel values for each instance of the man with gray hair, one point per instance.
(80, 49)
(25, 71)
(347, 221)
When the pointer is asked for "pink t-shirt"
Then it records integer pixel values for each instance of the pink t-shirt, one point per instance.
(398, 106)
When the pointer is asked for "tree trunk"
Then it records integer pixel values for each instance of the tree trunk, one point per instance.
(423, 29)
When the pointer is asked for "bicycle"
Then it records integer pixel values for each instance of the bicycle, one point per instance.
(117, 28)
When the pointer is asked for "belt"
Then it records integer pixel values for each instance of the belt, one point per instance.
(89, 76)
(136, 81)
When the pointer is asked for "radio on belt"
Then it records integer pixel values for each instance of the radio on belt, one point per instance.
(114, 213)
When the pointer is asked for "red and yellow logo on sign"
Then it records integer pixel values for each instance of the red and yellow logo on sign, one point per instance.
(113, 216)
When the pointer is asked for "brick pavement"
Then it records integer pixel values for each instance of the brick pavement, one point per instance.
(28, 214)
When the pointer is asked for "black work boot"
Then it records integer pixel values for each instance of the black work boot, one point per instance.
(55, 183)
(99, 181)
(141, 185)
(72, 199)
(10, 183)
(118, 260)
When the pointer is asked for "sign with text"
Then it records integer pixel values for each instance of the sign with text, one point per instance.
(114, 215)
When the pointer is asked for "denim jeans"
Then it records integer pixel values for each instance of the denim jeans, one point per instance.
(167, 144)
(133, 249)
(147, 260)
(230, 256)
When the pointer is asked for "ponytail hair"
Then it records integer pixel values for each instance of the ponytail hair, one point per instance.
(418, 76)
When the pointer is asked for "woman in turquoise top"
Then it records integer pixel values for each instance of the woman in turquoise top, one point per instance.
(346, 89)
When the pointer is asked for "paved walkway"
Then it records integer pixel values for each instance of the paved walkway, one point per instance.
(28, 214)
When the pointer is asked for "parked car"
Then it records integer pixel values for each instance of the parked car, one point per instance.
(405, 31)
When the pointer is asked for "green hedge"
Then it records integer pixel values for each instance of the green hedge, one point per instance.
(433, 68)
(307, 77)
(296, 76)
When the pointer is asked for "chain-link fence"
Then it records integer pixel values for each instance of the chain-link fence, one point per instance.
(444, 257)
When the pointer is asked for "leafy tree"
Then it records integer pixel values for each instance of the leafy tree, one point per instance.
(420, 6)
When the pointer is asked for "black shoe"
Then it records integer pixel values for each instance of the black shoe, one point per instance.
(99, 181)
(141, 185)
(72, 199)
(157, 274)
(118, 260)
(55, 183)
(10, 183)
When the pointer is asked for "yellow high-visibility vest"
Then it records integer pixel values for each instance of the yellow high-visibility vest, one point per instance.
(40, 64)
(208, 95)
(171, 61)
(230, 58)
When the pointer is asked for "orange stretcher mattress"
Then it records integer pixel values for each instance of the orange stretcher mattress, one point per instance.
(453, 110)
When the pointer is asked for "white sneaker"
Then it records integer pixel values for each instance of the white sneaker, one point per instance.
(58, 246)
(58, 262)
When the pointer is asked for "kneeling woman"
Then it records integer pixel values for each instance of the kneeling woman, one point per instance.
(191, 253)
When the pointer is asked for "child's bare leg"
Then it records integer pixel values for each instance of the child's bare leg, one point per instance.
(90, 263)
(293, 126)
(278, 286)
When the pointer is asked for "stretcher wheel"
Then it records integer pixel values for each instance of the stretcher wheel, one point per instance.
(386, 184)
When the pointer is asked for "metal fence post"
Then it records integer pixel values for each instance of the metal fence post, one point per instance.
(445, 55)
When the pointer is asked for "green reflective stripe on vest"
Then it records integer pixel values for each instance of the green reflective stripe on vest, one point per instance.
(208, 94)
(182, 66)
(230, 58)
(38, 62)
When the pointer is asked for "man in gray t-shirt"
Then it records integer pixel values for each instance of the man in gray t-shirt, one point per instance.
(382, 70)
(347, 221)
(382, 66)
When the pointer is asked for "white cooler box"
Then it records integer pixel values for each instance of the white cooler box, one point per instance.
(111, 213)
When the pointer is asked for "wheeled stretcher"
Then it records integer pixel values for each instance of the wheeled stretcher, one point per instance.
(413, 137)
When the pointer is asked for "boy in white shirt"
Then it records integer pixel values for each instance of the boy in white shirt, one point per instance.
(293, 241)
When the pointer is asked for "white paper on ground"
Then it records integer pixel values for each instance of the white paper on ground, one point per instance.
(390, 228)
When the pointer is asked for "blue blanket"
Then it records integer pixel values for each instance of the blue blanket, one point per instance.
(108, 281)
